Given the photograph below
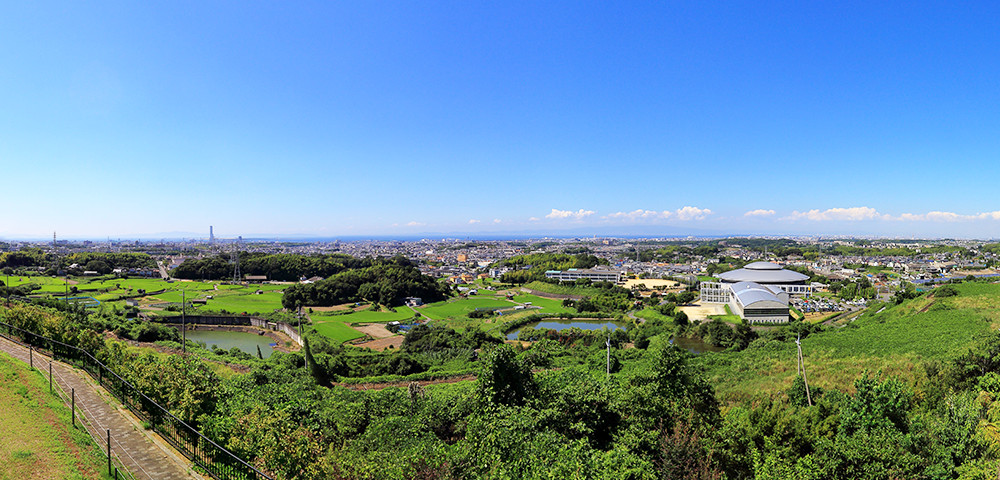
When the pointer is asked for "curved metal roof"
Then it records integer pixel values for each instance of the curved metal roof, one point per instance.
(749, 293)
(762, 266)
(765, 273)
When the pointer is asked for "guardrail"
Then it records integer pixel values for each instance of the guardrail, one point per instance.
(218, 462)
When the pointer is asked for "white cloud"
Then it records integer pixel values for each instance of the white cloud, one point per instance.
(562, 214)
(640, 214)
(533, 219)
(759, 213)
(496, 220)
(473, 221)
(850, 214)
(415, 224)
(692, 213)
(685, 213)
(948, 217)
(945, 217)
(868, 213)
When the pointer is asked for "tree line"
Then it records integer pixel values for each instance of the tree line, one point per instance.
(284, 267)
(384, 282)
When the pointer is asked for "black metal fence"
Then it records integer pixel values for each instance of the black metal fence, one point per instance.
(214, 459)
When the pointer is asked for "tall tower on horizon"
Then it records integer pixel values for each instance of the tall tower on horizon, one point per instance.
(211, 235)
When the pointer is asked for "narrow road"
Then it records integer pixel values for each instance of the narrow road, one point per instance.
(163, 270)
(143, 457)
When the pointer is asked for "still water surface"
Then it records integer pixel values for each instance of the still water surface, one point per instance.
(564, 324)
(248, 342)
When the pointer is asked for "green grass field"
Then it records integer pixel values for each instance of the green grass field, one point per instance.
(338, 331)
(895, 341)
(548, 305)
(338, 327)
(651, 314)
(729, 317)
(562, 289)
(40, 442)
(455, 308)
(250, 303)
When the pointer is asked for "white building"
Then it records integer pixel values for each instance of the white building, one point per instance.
(758, 293)
(770, 275)
(599, 273)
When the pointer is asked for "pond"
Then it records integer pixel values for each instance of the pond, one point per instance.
(564, 324)
(225, 339)
(695, 345)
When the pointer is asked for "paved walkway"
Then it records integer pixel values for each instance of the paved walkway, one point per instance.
(141, 455)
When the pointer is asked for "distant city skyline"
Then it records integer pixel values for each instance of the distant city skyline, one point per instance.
(561, 118)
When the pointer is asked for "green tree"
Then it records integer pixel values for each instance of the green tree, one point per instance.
(505, 379)
(877, 404)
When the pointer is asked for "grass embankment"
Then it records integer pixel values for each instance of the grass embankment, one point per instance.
(563, 289)
(895, 341)
(729, 317)
(40, 441)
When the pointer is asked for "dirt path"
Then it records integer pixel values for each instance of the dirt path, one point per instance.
(144, 454)
(382, 343)
(374, 330)
(929, 305)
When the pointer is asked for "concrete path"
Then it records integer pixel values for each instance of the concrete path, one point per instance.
(163, 270)
(142, 452)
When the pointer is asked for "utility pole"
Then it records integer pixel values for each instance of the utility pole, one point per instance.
(608, 343)
(802, 362)
(183, 323)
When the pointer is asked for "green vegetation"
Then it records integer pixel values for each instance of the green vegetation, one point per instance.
(277, 267)
(905, 390)
(729, 317)
(461, 307)
(337, 331)
(103, 263)
(387, 282)
(40, 441)
(533, 267)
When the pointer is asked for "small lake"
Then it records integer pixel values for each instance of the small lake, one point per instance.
(564, 324)
(694, 345)
(248, 342)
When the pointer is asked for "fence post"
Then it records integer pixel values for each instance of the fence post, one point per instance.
(109, 451)
(50, 376)
(31, 357)
(72, 408)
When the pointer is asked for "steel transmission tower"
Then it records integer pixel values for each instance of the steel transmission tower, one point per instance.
(236, 261)
(55, 255)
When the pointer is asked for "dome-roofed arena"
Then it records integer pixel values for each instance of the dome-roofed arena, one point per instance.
(764, 273)
(768, 281)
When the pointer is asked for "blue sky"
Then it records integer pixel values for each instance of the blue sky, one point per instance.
(379, 118)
